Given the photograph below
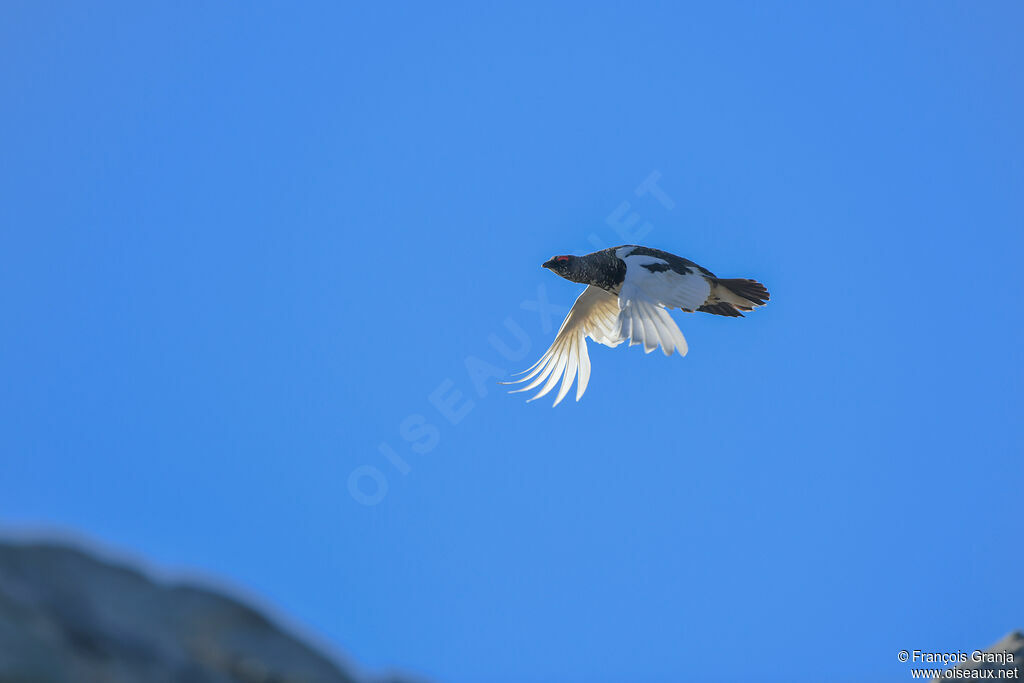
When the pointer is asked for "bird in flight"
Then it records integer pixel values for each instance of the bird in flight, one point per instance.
(630, 290)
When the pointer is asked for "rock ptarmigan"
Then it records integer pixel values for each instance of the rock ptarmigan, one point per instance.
(630, 290)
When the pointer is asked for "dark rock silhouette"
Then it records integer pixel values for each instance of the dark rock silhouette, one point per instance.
(67, 616)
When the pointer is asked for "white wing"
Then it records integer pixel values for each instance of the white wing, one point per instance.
(642, 321)
(595, 314)
(650, 287)
(651, 278)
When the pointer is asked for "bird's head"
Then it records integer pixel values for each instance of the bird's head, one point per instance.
(562, 265)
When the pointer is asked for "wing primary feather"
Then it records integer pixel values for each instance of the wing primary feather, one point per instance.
(651, 338)
(668, 344)
(584, 372)
(552, 378)
(523, 372)
(570, 368)
(541, 376)
(595, 314)
(533, 370)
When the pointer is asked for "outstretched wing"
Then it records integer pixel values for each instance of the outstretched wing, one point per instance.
(643, 321)
(652, 285)
(596, 315)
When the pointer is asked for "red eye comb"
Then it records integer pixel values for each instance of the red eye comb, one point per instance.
(561, 258)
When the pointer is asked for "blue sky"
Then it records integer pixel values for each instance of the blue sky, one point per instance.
(243, 247)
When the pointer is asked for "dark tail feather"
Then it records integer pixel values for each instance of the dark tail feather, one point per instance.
(721, 308)
(751, 290)
(729, 297)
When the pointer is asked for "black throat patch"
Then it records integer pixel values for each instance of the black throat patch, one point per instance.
(603, 269)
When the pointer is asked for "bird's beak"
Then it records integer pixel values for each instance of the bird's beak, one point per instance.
(550, 263)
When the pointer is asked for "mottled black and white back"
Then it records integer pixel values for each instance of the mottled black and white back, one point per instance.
(630, 290)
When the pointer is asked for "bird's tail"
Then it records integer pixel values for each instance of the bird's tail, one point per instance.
(730, 296)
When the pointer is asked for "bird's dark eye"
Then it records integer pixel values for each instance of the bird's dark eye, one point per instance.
(562, 258)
